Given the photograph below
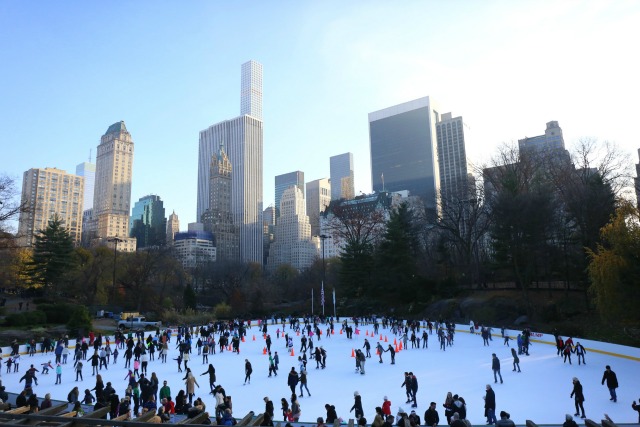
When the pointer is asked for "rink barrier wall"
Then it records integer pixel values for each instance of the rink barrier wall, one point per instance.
(613, 350)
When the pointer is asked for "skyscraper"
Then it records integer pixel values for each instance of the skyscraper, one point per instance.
(318, 198)
(243, 137)
(404, 150)
(342, 178)
(148, 222)
(454, 174)
(48, 192)
(293, 243)
(88, 172)
(552, 140)
(284, 181)
(173, 226)
(218, 219)
(112, 193)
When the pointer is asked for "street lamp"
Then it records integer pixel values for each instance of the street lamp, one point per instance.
(324, 237)
(115, 240)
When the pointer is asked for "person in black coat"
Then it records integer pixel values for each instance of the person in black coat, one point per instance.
(612, 382)
(431, 417)
(490, 405)
(268, 408)
(332, 415)
(292, 380)
(357, 405)
(578, 396)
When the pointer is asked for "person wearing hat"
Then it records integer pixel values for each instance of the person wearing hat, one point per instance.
(357, 405)
(578, 396)
(386, 406)
(414, 418)
(504, 420)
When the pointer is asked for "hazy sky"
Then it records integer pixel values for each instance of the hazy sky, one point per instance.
(69, 69)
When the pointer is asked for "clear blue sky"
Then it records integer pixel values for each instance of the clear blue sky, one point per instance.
(69, 69)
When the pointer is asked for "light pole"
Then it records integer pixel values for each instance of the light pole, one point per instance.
(115, 240)
(323, 237)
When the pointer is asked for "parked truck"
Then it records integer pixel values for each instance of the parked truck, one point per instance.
(137, 322)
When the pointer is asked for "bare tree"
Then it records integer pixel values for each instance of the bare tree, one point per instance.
(10, 204)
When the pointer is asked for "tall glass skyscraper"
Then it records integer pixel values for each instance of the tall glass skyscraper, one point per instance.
(454, 173)
(88, 172)
(243, 139)
(284, 181)
(404, 151)
(342, 177)
(148, 222)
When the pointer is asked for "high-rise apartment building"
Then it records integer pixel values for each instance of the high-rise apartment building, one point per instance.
(112, 193)
(268, 230)
(552, 140)
(404, 150)
(88, 172)
(218, 219)
(243, 139)
(148, 223)
(293, 243)
(173, 226)
(284, 181)
(47, 193)
(318, 198)
(454, 172)
(342, 177)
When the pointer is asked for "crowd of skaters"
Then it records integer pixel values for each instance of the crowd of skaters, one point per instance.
(143, 392)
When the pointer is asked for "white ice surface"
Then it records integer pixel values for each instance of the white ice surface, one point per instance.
(540, 393)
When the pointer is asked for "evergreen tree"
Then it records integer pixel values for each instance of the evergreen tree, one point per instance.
(52, 256)
(189, 297)
(396, 269)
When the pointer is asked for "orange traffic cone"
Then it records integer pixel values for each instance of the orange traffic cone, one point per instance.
(243, 339)
(400, 345)
(264, 350)
(340, 331)
(292, 351)
(332, 332)
(353, 353)
(254, 337)
(385, 339)
(395, 342)
(366, 333)
(397, 349)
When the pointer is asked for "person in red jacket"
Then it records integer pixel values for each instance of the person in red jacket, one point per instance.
(386, 406)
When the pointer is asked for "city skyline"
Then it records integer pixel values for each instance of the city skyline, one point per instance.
(483, 61)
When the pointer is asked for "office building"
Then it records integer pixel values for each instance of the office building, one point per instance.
(318, 198)
(47, 193)
(173, 226)
(293, 242)
(282, 182)
(551, 141)
(404, 150)
(87, 170)
(455, 179)
(112, 193)
(148, 223)
(268, 230)
(342, 178)
(218, 218)
(194, 248)
(243, 141)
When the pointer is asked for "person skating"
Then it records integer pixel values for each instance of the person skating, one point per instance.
(516, 360)
(391, 350)
(612, 382)
(367, 348)
(490, 405)
(357, 405)
(580, 352)
(414, 389)
(211, 371)
(303, 383)
(247, 371)
(577, 394)
(292, 380)
(380, 350)
(495, 365)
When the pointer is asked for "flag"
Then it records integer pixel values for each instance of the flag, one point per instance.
(322, 295)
